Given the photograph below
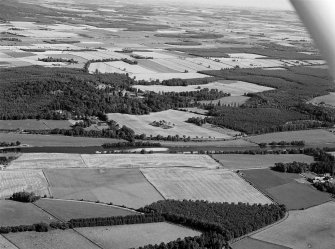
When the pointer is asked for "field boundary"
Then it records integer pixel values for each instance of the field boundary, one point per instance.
(45, 211)
(49, 185)
(153, 184)
(82, 159)
(94, 243)
(10, 241)
(287, 214)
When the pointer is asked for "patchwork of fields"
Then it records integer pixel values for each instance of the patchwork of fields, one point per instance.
(141, 124)
(200, 184)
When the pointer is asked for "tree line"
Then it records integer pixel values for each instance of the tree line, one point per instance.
(131, 144)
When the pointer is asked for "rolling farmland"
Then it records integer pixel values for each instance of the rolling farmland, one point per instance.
(22, 180)
(134, 236)
(311, 228)
(118, 186)
(202, 184)
(241, 161)
(141, 124)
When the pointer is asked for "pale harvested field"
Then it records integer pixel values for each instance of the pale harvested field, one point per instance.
(241, 161)
(134, 236)
(141, 124)
(311, 228)
(328, 100)
(228, 101)
(148, 161)
(237, 88)
(311, 137)
(5, 244)
(201, 184)
(47, 160)
(14, 213)
(23, 180)
(120, 186)
(52, 140)
(55, 239)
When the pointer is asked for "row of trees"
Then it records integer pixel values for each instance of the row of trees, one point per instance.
(131, 144)
(52, 59)
(298, 167)
(9, 144)
(25, 196)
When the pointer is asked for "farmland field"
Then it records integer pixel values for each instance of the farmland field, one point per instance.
(66, 210)
(311, 228)
(22, 180)
(47, 160)
(13, 213)
(201, 184)
(249, 243)
(241, 161)
(141, 124)
(5, 244)
(134, 236)
(149, 161)
(297, 196)
(236, 143)
(120, 186)
(284, 188)
(328, 100)
(311, 137)
(235, 88)
(56, 239)
(54, 140)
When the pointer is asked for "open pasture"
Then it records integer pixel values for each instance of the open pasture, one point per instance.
(47, 160)
(136, 235)
(13, 213)
(55, 239)
(66, 210)
(312, 228)
(235, 88)
(55, 140)
(148, 161)
(141, 124)
(24, 180)
(151, 65)
(242, 161)
(202, 184)
(327, 100)
(33, 124)
(311, 137)
(118, 186)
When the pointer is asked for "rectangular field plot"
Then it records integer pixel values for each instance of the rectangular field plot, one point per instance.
(311, 228)
(66, 210)
(167, 76)
(201, 184)
(33, 124)
(141, 124)
(148, 161)
(134, 236)
(118, 186)
(241, 161)
(235, 88)
(47, 160)
(13, 213)
(23, 180)
(55, 239)
(311, 137)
